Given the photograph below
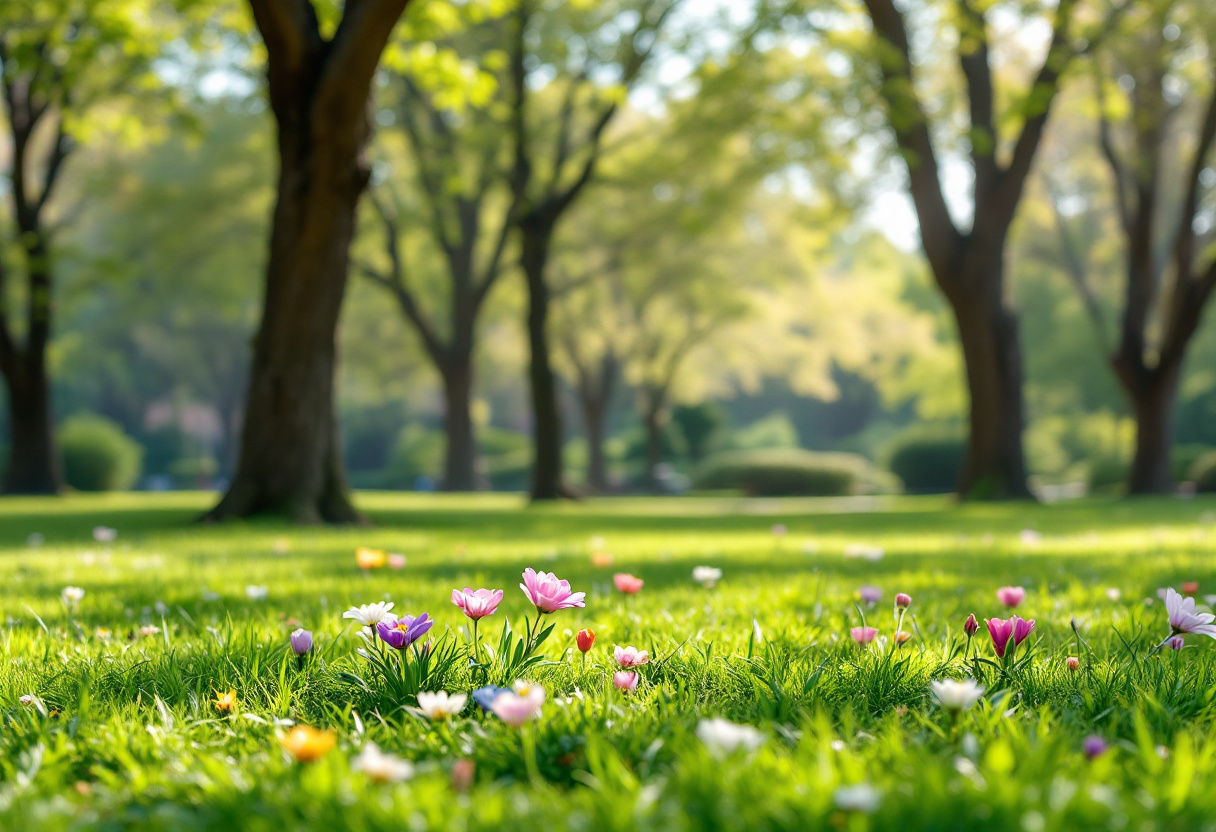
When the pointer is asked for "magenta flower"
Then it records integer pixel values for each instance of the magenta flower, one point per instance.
(625, 680)
(400, 633)
(971, 626)
(548, 594)
(1175, 642)
(1093, 746)
(863, 635)
(870, 594)
(1011, 596)
(628, 584)
(477, 604)
(1021, 629)
(1001, 632)
(1184, 619)
(903, 600)
(630, 656)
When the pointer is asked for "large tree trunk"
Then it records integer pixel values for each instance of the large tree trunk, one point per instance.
(1153, 394)
(547, 427)
(995, 468)
(595, 415)
(290, 460)
(654, 447)
(460, 463)
(33, 464)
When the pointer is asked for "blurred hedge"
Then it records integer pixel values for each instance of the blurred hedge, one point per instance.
(97, 455)
(927, 459)
(780, 472)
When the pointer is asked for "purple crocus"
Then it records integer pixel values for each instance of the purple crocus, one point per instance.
(301, 642)
(1093, 746)
(400, 633)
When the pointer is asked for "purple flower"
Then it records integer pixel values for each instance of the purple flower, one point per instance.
(301, 642)
(400, 633)
(1093, 746)
(870, 594)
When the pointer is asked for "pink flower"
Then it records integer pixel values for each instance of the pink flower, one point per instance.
(630, 656)
(477, 604)
(870, 594)
(1175, 642)
(1021, 629)
(1073, 662)
(517, 706)
(625, 680)
(628, 584)
(1011, 596)
(548, 594)
(1184, 619)
(396, 560)
(971, 626)
(863, 635)
(903, 600)
(1001, 632)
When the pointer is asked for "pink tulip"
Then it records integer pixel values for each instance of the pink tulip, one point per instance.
(625, 680)
(630, 656)
(1021, 629)
(1011, 596)
(1001, 632)
(863, 635)
(628, 584)
(549, 594)
(971, 626)
(477, 604)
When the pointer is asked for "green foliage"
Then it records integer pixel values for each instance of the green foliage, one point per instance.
(774, 431)
(417, 452)
(1203, 473)
(506, 458)
(700, 425)
(927, 459)
(1183, 459)
(97, 455)
(783, 472)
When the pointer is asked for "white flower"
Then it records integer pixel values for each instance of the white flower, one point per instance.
(162, 609)
(756, 633)
(104, 534)
(721, 736)
(1210, 600)
(1030, 537)
(863, 551)
(706, 576)
(381, 767)
(28, 699)
(256, 593)
(72, 595)
(1184, 619)
(369, 615)
(210, 595)
(149, 630)
(441, 705)
(1113, 594)
(860, 798)
(954, 695)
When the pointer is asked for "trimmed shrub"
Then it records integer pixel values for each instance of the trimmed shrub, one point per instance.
(1183, 459)
(97, 455)
(927, 460)
(779, 472)
(1203, 473)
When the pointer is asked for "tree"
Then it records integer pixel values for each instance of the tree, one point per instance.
(290, 461)
(58, 62)
(969, 266)
(555, 158)
(458, 161)
(1164, 60)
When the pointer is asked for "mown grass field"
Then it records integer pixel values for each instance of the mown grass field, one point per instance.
(125, 733)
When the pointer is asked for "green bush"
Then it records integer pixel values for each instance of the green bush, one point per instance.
(417, 452)
(193, 471)
(1183, 459)
(927, 459)
(506, 458)
(779, 472)
(1203, 473)
(97, 455)
(773, 431)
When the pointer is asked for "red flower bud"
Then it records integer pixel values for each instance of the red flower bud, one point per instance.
(903, 600)
(971, 626)
(1073, 662)
(585, 639)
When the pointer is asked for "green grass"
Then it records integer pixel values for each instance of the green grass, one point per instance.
(131, 740)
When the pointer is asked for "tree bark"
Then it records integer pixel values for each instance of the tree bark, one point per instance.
(460, 460)
(654, 447)
(995, 467)
(595, 414)
(290, 461)
(33, 463)
(1153, 395)
(547, 425)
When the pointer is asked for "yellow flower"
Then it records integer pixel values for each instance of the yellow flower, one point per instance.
(307, 744)
(225, 701)
(370, 558)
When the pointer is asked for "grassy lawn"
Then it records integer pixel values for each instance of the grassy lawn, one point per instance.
(125, 734)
